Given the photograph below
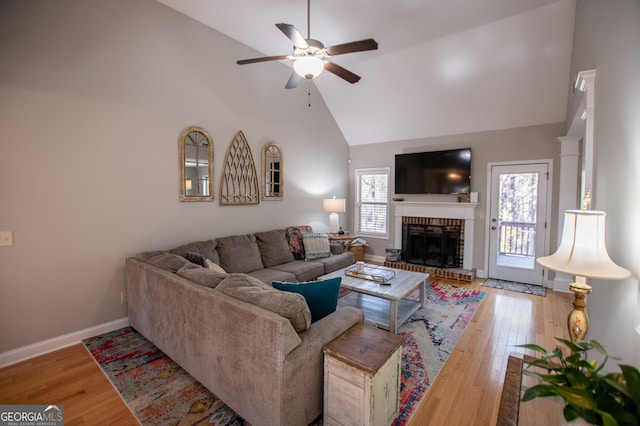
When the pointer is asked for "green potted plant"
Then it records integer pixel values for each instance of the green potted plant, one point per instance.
(599, 398)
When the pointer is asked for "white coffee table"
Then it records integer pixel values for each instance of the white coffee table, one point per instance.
(385, 305)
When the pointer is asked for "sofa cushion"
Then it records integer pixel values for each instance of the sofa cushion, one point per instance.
(274, 247)
(321, 296)
(268, 275)
(294, 236)
(239, 253)
(316, 245)
(301, 270)
(338, 261)
(251, 290)
(169, 261)
(202, 276)
(206, 248)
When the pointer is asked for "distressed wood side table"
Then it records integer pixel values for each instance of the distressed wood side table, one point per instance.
(362, 377)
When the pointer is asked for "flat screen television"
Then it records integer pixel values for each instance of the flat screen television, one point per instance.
(435, 172)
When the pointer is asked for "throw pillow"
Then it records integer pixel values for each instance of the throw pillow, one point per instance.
(321, 296)
(206, 248)
(214, 266)
(316, 245)
(294, 235)
(196, 258)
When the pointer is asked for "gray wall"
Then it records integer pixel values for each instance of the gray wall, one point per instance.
(606, 39)
(527, 143)
(93, 97)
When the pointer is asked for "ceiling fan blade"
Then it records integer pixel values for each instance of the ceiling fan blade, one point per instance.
(354, 46)
(341, 72)
(294, 35)
(265, 59)
(293, 81)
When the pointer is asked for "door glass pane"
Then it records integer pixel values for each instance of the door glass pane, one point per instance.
(517, 218)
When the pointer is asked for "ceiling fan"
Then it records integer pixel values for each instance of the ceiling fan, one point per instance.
(310, 57)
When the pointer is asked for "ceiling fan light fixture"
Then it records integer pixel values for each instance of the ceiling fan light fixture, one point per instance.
(308, 67)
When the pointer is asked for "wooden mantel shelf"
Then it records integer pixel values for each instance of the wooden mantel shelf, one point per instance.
(451, 210)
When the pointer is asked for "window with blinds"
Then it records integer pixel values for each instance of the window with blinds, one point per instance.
(372, 202)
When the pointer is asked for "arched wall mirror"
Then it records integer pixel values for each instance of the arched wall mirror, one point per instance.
(272, 178)
(196, 165)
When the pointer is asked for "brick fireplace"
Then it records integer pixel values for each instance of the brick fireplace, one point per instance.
(447, 215)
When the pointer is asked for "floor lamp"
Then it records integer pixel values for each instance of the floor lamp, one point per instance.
(334, 206)
(583, 253)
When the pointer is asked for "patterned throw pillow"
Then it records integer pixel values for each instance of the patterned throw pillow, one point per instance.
(196, 258)
(316, 245)
(294, 235)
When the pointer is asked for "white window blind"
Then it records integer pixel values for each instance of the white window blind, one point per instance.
(372, 202)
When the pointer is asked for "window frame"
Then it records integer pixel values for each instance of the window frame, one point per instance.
(358, 175)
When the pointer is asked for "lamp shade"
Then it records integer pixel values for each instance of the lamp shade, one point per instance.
(334, 205)
(308, 66)
(582, 251)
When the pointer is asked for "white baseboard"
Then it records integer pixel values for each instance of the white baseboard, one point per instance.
(372, 258)
(55, 343)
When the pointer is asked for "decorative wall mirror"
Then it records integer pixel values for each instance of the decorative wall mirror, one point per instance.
(272, 179)
(196, 165)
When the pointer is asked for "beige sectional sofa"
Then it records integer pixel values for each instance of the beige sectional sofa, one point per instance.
(253, 346)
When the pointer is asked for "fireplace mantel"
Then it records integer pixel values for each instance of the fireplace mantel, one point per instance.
(447, 210)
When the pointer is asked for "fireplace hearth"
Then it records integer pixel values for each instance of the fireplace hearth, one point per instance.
(431, 245)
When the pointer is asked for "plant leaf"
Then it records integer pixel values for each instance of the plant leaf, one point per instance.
(572, 346)
(533, 347)
(539, 391)
(570, 413)
(607, 419)
(579, 398)
(632, 377)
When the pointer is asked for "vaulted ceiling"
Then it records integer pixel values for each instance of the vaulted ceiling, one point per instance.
(443, 66)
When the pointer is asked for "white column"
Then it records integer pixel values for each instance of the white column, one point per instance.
(586, 83)
(568, 198)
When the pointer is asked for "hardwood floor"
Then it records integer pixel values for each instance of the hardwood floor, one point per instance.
(69, 377)
(466, 392)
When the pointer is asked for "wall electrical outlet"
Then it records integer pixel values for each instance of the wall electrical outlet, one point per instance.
(6, 238)
(123, 297)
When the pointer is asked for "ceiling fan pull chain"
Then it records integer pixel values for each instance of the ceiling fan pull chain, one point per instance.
(309, 91)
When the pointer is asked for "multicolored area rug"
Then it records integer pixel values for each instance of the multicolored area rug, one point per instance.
(158, 391)
(537, 290)
(429, 337)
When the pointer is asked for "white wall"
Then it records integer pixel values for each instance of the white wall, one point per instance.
(93, 97)
(606, 39)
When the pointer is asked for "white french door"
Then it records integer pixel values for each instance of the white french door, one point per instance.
(517, 221)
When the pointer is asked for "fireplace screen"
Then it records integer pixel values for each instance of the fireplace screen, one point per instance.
(431, 245)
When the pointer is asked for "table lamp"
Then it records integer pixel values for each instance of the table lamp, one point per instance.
(334, 206)
(583, 253)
